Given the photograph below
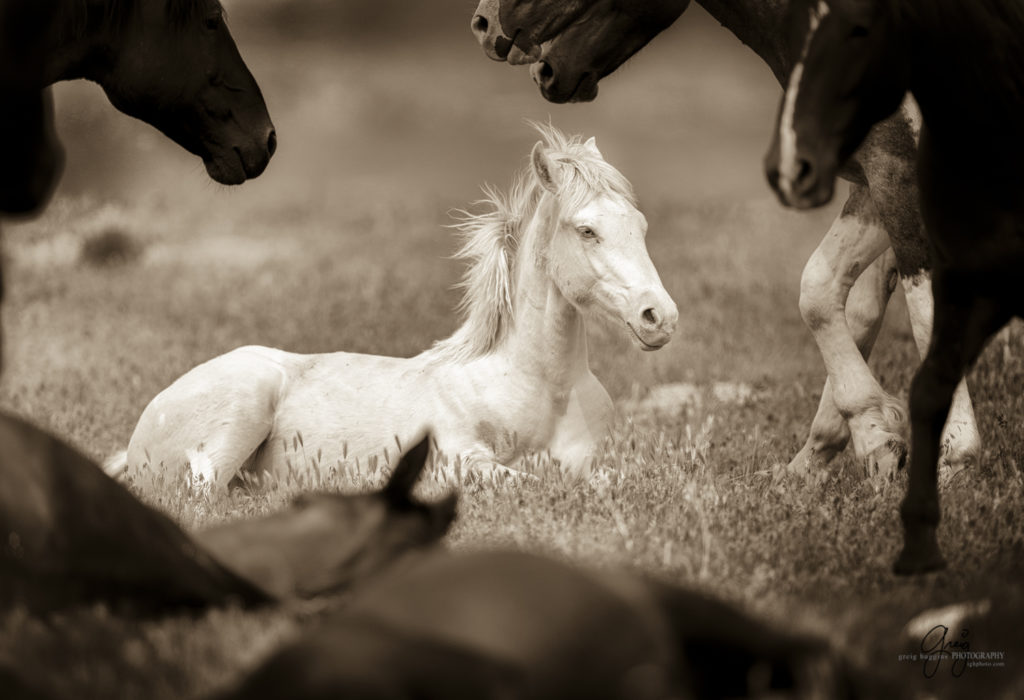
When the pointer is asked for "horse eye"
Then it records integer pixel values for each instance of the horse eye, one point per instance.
(858, 31)
(586, 232)
(213, 21)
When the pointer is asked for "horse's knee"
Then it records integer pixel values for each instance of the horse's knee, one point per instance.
(819, 302)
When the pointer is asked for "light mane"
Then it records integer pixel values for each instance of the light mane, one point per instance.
(491, 240)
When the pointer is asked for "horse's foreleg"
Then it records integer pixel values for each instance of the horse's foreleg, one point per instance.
(845, 333)
(961, 442)
(865, 310)
(962, 325)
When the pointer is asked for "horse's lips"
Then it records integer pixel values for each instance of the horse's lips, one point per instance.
(644, 345)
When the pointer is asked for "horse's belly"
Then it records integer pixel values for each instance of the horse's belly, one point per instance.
(346, 411)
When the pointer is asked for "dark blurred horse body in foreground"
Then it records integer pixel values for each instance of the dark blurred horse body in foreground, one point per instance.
(505, 624)
(848, 280)
(70, 536)
(964, 64)
(326, 542)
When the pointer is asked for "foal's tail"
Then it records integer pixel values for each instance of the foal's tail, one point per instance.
(115, 464)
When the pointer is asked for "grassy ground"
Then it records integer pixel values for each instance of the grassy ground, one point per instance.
(141, 269)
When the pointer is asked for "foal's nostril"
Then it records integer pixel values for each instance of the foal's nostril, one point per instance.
(650, 317)
(479, 24)
(272, 142)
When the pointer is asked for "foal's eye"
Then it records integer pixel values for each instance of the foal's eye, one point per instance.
(586, 232)
(213, 21)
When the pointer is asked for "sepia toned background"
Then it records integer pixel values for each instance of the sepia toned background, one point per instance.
(389, 116)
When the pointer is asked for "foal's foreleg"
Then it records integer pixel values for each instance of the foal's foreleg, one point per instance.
(845, 334)
(962, 325)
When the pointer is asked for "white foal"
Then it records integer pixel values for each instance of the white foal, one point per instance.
(514, 379)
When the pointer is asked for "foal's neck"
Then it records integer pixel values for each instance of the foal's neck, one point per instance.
(548, 338)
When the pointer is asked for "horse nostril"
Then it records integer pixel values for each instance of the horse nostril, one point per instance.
(479, 24)
(650, 317)
(804, 174)
(272, 142)
(545, 73)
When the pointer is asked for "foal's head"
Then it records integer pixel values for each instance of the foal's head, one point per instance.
(849, 74)
(173, 64)
(595, 250)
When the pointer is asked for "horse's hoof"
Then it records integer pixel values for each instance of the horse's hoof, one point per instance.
(920, 555)
(885, 460)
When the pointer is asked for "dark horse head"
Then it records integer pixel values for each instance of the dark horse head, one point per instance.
(173, 64)
(601, 39)
(847, 76)
(32, 155)
(574, 44)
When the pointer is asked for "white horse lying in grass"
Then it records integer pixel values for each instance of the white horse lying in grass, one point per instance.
(514, 379)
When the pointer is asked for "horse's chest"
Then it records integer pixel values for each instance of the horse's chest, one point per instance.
(525, 424)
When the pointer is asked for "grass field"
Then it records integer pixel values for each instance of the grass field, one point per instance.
(141, 269)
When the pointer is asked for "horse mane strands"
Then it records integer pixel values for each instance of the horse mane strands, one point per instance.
(86, 16)
(490, 241)
(587, 173)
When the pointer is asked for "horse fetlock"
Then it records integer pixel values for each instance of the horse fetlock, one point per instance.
(814, 457)
(882, 426)
(886, 460)
(960, 446)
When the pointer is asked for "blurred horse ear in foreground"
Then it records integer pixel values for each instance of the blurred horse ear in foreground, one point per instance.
(516, 625)
(326, 542)
(856, 64)
(70, 536)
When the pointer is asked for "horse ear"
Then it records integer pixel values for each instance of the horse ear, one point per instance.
(403, 479)
(544, 167)
(591, 145)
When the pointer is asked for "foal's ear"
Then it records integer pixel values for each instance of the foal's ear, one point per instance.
(591, 145)
(546, 169)
(403, 479)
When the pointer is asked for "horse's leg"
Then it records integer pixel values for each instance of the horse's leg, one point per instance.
(580, 431)
(963, 323)
(875, 419)
(865, 310)
(213, 417)
(961, 442)
(889, 160)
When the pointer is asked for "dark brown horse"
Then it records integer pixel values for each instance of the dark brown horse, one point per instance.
(964, 64)
(70, 535)
(173, 64)
(33, 157)
(508, 624)
(585, 40)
